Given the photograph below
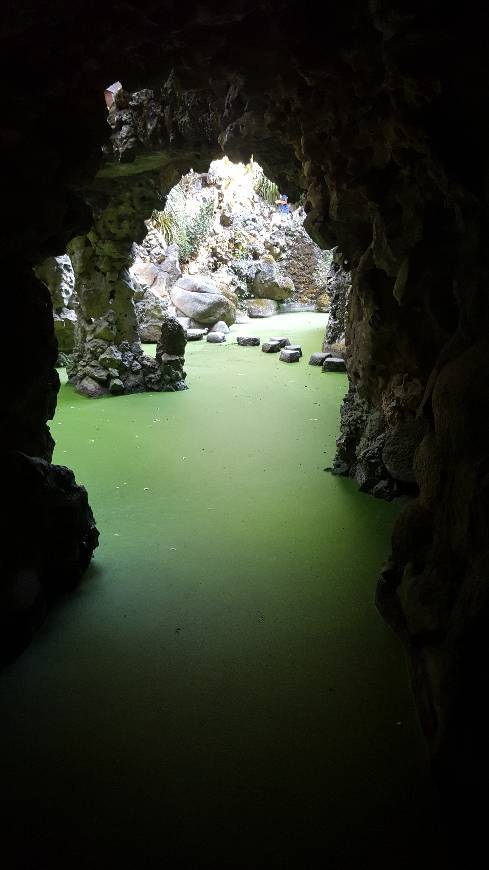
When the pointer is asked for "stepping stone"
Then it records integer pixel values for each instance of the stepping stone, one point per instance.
(334, 364)
(281, 340)
(296, 347)
(270, 347)
(318, 358)
(216, 337)
(248, 341)
(289, 355)
(195, 334)
(220, 326)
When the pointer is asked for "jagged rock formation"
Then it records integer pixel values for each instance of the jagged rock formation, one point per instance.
(108, 357)
(58, 276)
(229, 235)
(339, 285)
(385, 132)
(52, 534)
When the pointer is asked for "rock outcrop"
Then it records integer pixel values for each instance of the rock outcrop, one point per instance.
(58, 276)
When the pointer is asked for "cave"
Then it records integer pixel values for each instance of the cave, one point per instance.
(372, 111)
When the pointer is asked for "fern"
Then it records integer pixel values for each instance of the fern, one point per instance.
(187, 231)
(262, 185)
(166, 224)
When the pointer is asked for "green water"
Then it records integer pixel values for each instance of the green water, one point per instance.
(221, 689)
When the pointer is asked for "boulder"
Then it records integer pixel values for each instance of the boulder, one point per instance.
(268, 283)
(289, 356)
(220, 326)
(216, 337)
(185, 322)
(195, 334)
(90, 388)
(248, 341)
(270, 347)
(262, 307)
(97, 372)
(144, 273)
(197, 297)
(281, 340)
(334, 364)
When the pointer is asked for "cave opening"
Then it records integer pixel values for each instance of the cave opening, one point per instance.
(231, 638)
(383, 132)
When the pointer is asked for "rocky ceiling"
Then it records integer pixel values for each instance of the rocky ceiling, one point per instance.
(377, 110)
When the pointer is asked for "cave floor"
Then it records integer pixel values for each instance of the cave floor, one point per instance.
(220, 691)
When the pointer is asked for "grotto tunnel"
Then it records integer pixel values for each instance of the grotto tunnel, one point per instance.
(372, 112)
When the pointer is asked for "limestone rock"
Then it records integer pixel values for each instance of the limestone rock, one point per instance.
(58, 276)
(216, 337)
(169, 268)
(262, 307)
(220, 326)
(197, 297)
(269, 284)
(150, 311)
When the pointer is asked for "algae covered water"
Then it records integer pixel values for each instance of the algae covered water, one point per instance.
(220, 690)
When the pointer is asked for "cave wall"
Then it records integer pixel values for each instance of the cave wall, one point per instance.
(374, 109)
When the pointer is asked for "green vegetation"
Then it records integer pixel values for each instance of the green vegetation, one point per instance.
(166, 224)
(262, 185)
(179, 226)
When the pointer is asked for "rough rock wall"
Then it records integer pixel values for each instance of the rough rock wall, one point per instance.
(385, 130)
(58, 276)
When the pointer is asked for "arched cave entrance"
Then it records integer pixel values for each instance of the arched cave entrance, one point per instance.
(386, 132)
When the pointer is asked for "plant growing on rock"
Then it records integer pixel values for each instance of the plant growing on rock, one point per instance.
(165, 223)
(262, 185)
(180, 226)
